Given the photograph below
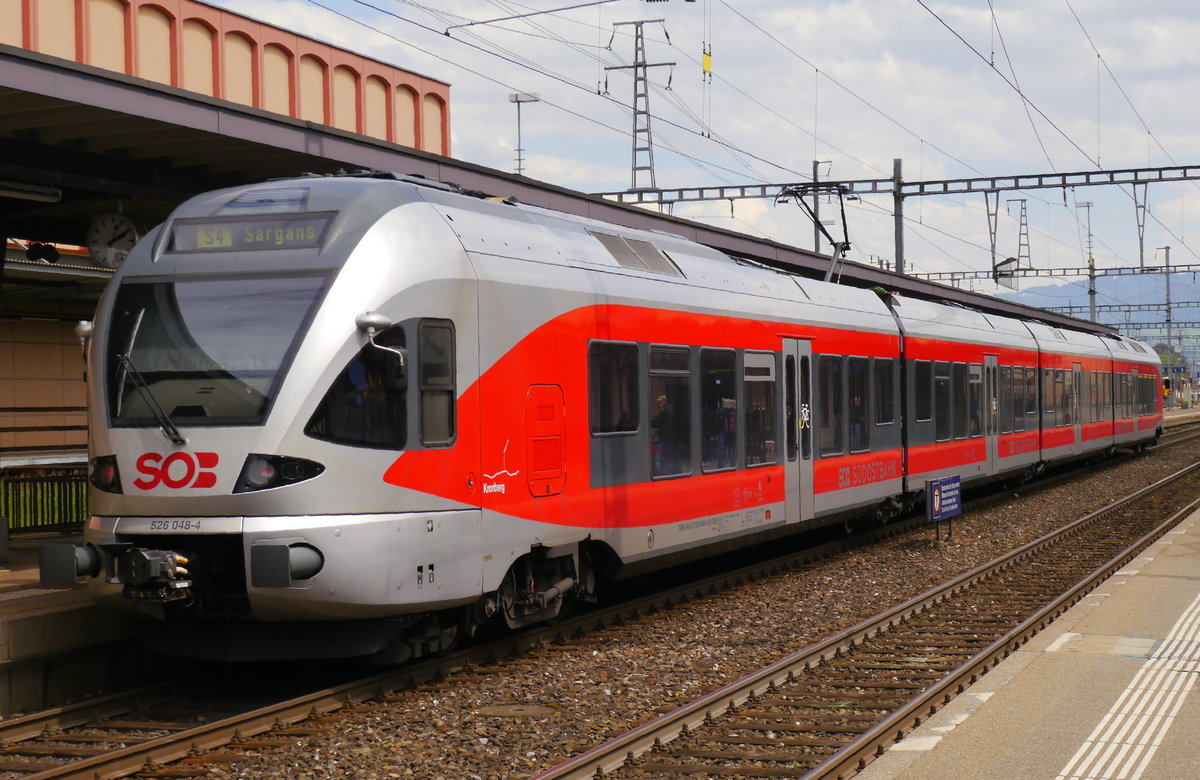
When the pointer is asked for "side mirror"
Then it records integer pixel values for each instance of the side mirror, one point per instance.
(372, 322)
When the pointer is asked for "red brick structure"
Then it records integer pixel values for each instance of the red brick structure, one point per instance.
(211, 51)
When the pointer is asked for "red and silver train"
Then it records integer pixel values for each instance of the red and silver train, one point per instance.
(360, 415)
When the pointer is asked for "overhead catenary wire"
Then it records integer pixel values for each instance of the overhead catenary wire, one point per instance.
(507, 86)
(518, 62)
(1026, 100)
(593, 52)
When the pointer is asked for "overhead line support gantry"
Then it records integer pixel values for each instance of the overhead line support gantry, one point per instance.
(900, 189)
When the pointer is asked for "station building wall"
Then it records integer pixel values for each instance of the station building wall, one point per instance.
(210, 51)
(42, 393)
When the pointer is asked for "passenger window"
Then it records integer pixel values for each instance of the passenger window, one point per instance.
(943, 402)
(1031, 397)
(671, 413)
(829, 379)
(1018, 399)
(1092, 411)
(1008, 399)
(436, 356)
(718, 409)
(958, 399)
(1062, 384)
(923, 398)
(365, 406)
(789, 384)
(974, 400)
(1049, 398)
(612, 385)
(856, 376)
(885, 407)
(758, 378)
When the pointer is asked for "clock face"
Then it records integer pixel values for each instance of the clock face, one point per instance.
(109, 239)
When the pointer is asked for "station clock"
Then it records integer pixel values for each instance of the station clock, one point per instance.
(110, 237)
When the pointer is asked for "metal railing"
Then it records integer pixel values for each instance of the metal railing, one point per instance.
(49, 500)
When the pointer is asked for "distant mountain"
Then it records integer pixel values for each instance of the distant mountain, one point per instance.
(1110, 290)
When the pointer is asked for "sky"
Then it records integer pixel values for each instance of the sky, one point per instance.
(952, 88)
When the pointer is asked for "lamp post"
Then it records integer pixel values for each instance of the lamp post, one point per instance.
(519, 98)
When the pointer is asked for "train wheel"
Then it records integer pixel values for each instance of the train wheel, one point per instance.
(455, 627)
(506, 598)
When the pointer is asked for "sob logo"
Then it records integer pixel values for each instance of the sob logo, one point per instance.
(177, 470)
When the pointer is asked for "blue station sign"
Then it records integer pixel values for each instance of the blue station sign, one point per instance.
(943, 498)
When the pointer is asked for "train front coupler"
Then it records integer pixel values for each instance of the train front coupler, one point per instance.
(146, 576)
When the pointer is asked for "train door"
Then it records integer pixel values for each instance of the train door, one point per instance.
(991, 411)
(1073, 397)
(1131, 400)
(798, 449)
(545, 452)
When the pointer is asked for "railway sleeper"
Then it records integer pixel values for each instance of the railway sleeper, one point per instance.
(27, 765)
(658, 769)
(64, 751)
(814, 742)
(859, 700)
(882, 663)
(739, 755)
(868, 684)
(819, 700)
(822, 717)
(800, 728)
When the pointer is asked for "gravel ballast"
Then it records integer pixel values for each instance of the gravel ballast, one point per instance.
(580, 692)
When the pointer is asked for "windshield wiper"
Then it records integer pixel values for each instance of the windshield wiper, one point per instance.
(164, 420)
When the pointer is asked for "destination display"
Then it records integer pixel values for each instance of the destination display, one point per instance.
(305, 231)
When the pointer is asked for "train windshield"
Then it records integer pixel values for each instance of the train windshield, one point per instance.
(207, 351)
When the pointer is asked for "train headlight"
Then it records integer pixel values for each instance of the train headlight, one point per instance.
(261, 472)
(258, 473)
(104, 475)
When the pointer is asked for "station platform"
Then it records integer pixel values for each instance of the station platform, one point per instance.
(53, 641)
(20, 571)
(1102, 693)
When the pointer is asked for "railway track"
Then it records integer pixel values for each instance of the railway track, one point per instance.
(188, 725)
(142, 732)
(1181, 432)
(828, 710)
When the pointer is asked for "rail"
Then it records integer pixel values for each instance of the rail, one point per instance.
(622, 750)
